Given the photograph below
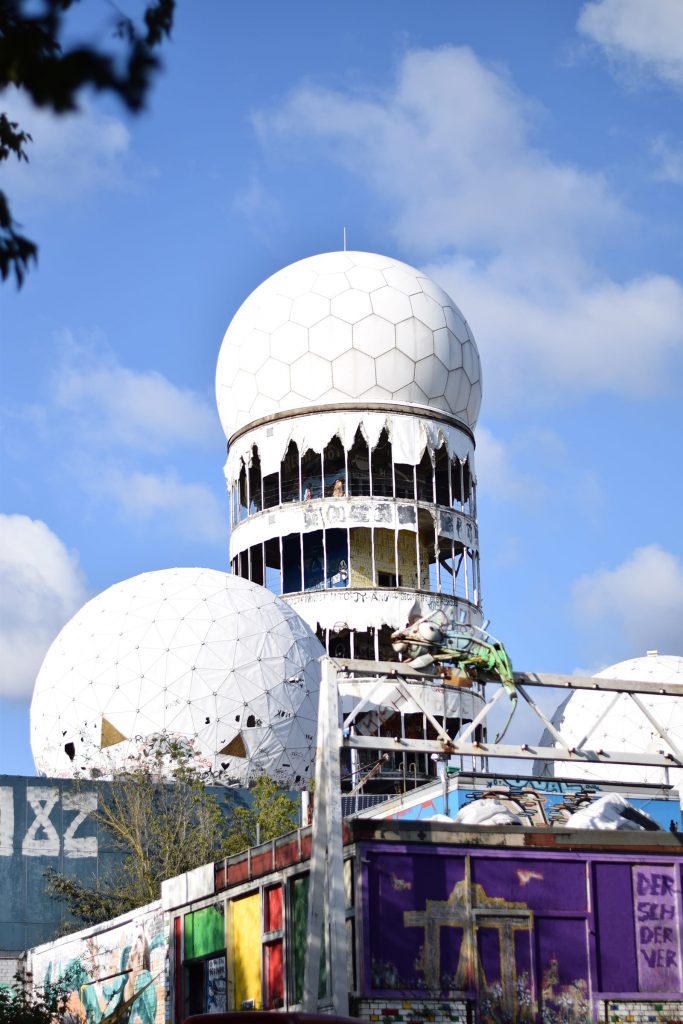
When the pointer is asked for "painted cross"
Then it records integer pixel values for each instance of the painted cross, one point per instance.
(468, 907)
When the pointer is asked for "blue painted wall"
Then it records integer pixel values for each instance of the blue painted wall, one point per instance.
(48, 823)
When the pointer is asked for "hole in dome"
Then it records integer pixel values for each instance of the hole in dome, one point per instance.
(70, 750)
(251, 722)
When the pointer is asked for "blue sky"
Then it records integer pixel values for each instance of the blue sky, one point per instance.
(527, 154)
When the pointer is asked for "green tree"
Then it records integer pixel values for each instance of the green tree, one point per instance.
(20, 1004)
(33, 59)
(271, 815)
(161, 828)
(164, 828)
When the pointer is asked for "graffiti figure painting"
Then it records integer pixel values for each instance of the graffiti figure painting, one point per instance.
(118, 978)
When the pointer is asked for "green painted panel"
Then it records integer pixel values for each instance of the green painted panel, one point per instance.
(299, 938)
(204, 932)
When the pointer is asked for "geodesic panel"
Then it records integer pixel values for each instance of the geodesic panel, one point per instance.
(624, 726)
(334, 304)
(197, 656)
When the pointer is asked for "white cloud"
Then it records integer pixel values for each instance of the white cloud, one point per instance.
(449, 149)
(71, 154)
(162, 499)
(131, 408)
(41, 586)
(261, 210)
(635, 607)
(449, 146)
(669, 161)
(646, 34)
(590, 337)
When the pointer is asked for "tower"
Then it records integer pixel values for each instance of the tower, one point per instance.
(348, 386)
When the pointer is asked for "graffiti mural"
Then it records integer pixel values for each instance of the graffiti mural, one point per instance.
(509, 933)
(115, 977)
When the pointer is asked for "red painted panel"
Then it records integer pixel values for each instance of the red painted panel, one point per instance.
(274, 909)
(275, 989)
(177, 951)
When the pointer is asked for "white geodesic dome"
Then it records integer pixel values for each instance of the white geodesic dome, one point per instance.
(203, 658)
(347, 327)
(624, 726)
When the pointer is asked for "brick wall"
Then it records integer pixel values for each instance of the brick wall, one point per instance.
(9, 962)
(414, 1011)
(641, 1011)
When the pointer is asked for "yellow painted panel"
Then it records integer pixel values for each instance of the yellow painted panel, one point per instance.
(246, 949)
(407, 565)
(361, 558)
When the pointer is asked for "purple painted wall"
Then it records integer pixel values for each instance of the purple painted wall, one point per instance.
(528, 935)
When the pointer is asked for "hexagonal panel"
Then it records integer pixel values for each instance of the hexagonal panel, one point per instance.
(334, 395)
(332, 262)
(263, 406)
(371, 259)
(311, 376)
(470, 361)
(330, 285)
(376, 394)
(309, 309)
(434, 291)
(330, 337)
(432, 376)
(255, 351)
(227, 366)
(457, 391)
(273, 379)
(414, 338)
(366, 279)
(456, 322)
(442, 341)
(273, 311)
(244, 388)
(394, 370)
(402, 280)
(428, 311)
(295, 281)
(351, 305)
(374, 335)
(353, 372)
(289, 342)
(392, 304)
(411, 393)
(474, 404)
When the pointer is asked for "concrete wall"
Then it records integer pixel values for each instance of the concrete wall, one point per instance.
(50, 823)
(116, 971)
(501, 926)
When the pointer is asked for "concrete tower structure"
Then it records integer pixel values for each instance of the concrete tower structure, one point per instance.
(348, 386)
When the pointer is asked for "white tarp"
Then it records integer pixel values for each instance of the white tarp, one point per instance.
(610, 813)
(409, 434)
(487, 812)
(364, 609)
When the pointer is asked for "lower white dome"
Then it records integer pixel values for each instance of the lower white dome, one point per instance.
(624, 727)
(198, 656)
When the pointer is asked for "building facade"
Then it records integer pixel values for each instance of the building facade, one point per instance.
(442, 924)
